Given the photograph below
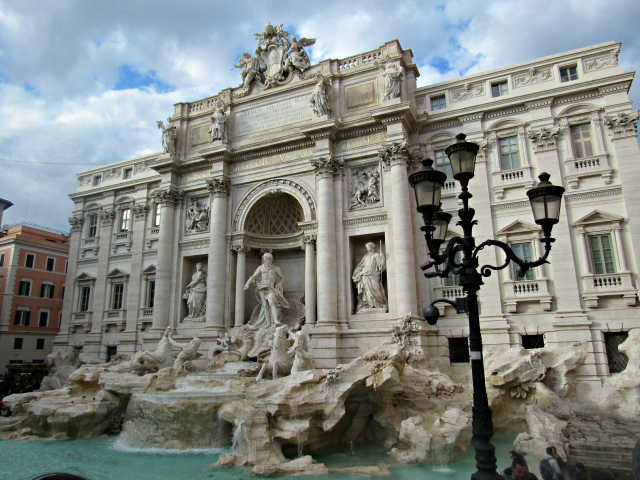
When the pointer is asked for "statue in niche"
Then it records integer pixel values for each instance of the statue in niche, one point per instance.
(250, 72)
(197, 217)
(196, 295)
(320, 97)
(365, 188)
(269, 293)
(218, 127)
(368, 279)
(302, 353)
(189, 352)
(298, 58)
(169, 135)
(393, 74)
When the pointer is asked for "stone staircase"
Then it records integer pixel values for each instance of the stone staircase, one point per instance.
(603, 443)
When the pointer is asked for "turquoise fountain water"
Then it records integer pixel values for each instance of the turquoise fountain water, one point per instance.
(111, 458)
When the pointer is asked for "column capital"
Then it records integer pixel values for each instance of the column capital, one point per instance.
(76, 223)
(240, 248)
(326, 166)
(308, 239)
(168, 196)
(396, 153)
(140, 211)
(624, 124)
(544, 139)
(218, 187)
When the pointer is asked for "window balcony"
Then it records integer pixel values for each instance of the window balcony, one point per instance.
(450, 293)
(608, 285)
(122, 239)
(114, 319)
(579, 168)
(81, 320)
(145, 319)
(89, 244)
(518, 177)
(519, 291)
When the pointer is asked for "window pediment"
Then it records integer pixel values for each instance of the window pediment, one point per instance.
(117, 273)
(598, 217)
(150, 270)
(519, 228)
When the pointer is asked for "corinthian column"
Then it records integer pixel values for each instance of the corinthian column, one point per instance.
(326, 245)
(396, 156)
(217, 273)
(169, 198)
(241, 254)
(308, 245)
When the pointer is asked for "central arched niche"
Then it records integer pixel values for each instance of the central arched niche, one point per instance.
(274, 214)
(274, 217)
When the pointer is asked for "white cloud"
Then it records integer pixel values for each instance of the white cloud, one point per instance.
(71, 52)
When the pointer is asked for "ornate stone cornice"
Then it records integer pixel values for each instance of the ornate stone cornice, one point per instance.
(468, 90)
(218, 187)
(165, 165)
(360, 132)
(76, 223)
(531, 76)
(240, 248)
(403, 112)
(471, 117)
(168, 196)
(370, 220)
(544, 139)
(505, 112)
(540, 103)
(275, 150)
(615, 88)
(327, 166)
(320, 130)
(441, 125)
(396, 153)
(610, 59)
(577, 96)
(605, 192)
(624, 124)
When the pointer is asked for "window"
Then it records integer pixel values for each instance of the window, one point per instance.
(116, 296)
(66, 266)
(111, 352)
(151, 290)
(22, 318)
(43, 318)
(97, 180)
(93, 226)
(62, 294)
(51, 263)
(581, 135)
(523, 252)
(453, 279)
(125, 218)
(617, 360)
(40, 344)
(128, 173)
(29, 260)
(85, 293)
(156, 215)
(47, 290)
(601, 254)
(17, 344)
(438, 103)
(532, 341)
(443, 164)
(1, 259)
(24, 288)
(509, 156)
(459, 350)
(499, 89)
(569, 73)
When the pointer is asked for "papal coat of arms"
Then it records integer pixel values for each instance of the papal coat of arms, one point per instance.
(278, 58)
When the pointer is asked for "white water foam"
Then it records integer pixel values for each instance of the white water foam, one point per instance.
(121, 445)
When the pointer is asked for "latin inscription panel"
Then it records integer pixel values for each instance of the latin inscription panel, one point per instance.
(277, 114)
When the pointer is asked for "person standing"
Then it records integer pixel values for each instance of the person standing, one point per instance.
(549, 467)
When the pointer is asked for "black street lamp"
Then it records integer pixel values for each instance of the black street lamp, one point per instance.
(427, 183)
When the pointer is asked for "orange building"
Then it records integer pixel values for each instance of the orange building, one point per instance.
(33, 266)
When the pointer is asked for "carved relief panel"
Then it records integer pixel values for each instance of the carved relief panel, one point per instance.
(365, 187)
(197, 217)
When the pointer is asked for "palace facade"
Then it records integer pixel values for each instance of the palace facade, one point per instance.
(310, 163)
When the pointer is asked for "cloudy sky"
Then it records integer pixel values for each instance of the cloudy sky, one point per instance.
(82, 82)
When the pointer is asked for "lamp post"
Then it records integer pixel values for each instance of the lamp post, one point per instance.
(427, 183)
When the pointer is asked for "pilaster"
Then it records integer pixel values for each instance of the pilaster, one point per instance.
(217, 262)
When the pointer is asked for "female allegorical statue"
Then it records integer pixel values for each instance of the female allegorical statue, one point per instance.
(196, 294)
(368, 278)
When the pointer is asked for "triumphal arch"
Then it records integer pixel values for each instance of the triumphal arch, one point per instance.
(308, 163)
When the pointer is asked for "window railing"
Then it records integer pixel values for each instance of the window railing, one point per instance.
(517, 291)
(362, 60)
(595, 286)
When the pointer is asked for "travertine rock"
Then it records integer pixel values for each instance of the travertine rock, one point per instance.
(61, 364)
(621, 392)
(543, 430)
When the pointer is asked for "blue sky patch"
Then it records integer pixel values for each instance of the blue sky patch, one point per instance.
(441, 64)
(131, 78)
(31, 89)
